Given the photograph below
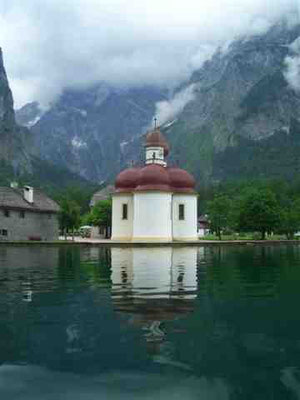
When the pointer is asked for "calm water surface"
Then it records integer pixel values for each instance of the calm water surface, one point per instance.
(149, 323)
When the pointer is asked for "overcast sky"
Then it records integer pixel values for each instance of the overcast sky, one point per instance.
(52, 44)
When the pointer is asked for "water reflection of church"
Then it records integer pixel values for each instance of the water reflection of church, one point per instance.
(154, 285)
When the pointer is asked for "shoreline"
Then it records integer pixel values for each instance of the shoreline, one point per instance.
(110, 243)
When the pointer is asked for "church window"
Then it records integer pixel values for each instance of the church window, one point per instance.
(124, 211)
(181, 212)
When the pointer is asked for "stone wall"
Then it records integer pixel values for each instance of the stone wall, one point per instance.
(34, 225)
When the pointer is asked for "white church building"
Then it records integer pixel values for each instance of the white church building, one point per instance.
(154, 202)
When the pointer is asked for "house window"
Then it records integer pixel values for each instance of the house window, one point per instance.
(6, 213)
(124, 211)
(181, 212)
(22, 214)
(4, 232)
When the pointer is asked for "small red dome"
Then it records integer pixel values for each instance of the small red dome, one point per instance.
(157, 139)
(181, 180)
(154, 177)
(127, 180)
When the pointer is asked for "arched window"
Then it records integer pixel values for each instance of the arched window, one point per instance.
(181, 212)
(124, 211)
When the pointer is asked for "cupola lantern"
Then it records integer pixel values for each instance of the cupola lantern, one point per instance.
(156, 148)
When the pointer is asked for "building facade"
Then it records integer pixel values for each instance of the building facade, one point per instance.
(154, 202)
(27, 214)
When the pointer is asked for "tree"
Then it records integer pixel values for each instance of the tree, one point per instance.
(69, 216)
(101, 214)
(259, 211)
(79, 195)
(219, 214)
(290, 219)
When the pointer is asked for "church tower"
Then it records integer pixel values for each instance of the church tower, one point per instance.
(154, 202)
(156, 148)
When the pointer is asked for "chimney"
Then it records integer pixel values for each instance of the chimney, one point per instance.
(28, 194)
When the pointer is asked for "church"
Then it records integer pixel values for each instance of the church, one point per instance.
(154, 202)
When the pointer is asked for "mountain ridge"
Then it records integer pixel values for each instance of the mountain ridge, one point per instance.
(241, 97)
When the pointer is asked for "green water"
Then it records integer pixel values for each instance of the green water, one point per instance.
(150, 323)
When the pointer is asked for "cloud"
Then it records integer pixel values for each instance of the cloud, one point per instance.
(166, 111)
(292, 73)
(292, 62)
(54, 44)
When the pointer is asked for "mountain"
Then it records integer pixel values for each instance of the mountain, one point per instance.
(15, 141)
(88, 130)
(241, 121)
(18, 157)
(29, 114)
(242, 111)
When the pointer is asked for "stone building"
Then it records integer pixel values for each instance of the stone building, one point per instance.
(102, 194)
(27, 214)
(154, 202)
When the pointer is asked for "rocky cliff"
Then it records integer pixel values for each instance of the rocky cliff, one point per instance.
(88, 131)
(18, 155)
(15, 142)
(241, 102)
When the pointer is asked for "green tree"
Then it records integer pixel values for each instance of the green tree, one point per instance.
(101, 214)
(290, 219)
(80, 195)
(69, 216)
(219, 214)
(259, 211)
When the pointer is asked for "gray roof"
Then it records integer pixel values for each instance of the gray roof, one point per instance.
(102, 194)
(13, 198)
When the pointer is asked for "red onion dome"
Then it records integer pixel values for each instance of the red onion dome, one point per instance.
(181, 180)
(154, 177)
(127, 180)
(157, 139)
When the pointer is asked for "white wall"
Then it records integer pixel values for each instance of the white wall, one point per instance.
(152, 216)
(122, 228)
(185, 229)
(95, 232)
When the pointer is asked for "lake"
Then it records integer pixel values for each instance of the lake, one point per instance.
(214, 322)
